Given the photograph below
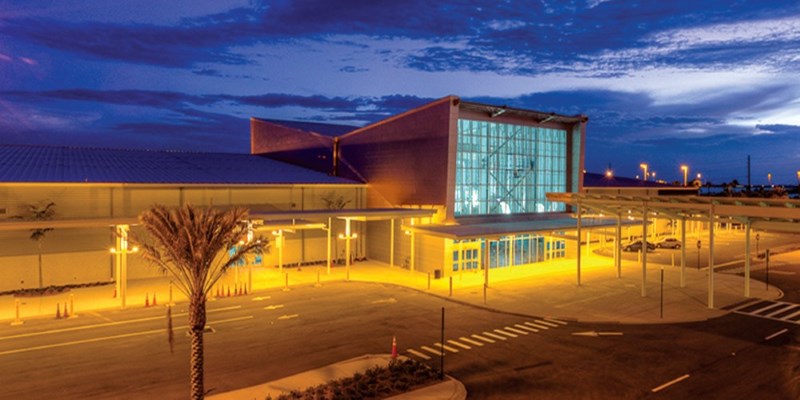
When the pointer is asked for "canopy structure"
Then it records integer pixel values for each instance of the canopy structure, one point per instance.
(780, 215)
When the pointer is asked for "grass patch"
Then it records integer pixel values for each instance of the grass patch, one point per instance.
(375, 383)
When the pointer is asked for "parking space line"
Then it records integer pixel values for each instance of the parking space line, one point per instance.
(502, 332)
(550, 324)
(515, 330)
(555, 321)
(670, 383)
(487, 340)
(433, 351)
(494, 336)
(463, 346)
(446, 347)
(527, 328)
(418, 354)
(470, 341)
(769, 307)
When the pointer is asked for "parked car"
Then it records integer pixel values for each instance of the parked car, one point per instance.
(637, 246)
(669, 243)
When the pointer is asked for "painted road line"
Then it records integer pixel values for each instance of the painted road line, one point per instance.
(122, 336)
(96, 315)
(260, 298)
(536, 325)
(418, 354)
(555, 321)
(502, 332)
(273, 307)
(550, 324)
(432, 350)
(494, 336)
(760, 310)
(670, 383)
(515, 330)
(107, 324)
(527, 328)
(776, 334)
(787, 309)
(463, 346)
(291, 316)
(790, 316)
(472, 342)
(446, 347)
(487, 340)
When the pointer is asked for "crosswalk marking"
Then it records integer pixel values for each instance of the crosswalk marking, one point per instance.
(760, 310)
(550, 324)
(418, 354)
(536, 325)
(774, 310)
(515, 330)
(782, 310)
(462, 345)
(446, 347)
(432, 351)
(487, 340)
(502, 332)
(494, 336)
(470, 341)
(553, 320)
(527, 328)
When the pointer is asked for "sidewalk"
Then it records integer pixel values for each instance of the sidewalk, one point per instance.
(449, 389)
(545, 289)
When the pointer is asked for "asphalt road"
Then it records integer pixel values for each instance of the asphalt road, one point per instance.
(268, 335)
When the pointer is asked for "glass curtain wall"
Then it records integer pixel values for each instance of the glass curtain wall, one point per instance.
(507, 168)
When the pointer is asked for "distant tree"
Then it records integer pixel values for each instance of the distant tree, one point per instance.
(334, 202)
(191, 244)
(39, 212)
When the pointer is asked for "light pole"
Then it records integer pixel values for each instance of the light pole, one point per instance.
(769, 178)
(685, 170)
(347, 236)
(121, 251)
(643, 166)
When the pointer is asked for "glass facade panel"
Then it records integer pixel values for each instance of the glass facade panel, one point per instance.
(507, 169)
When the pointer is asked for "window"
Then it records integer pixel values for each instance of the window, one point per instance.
(507, 169)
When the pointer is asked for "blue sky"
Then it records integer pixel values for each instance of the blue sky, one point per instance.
(705, 83)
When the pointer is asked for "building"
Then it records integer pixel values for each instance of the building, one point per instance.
(447, 187)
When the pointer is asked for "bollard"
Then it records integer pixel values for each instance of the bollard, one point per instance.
(16, 318)
(318, 284)
(451, 286)
(673, 260)
(72, 306)
(170, 294)
(286, 283)
(484, 294)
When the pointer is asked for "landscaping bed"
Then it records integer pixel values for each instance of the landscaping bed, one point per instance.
(379, 382)
(50, 290)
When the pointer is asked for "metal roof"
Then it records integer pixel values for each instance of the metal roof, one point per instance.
(508, 227)
(50, 164)
(780, 214)
(537, 116)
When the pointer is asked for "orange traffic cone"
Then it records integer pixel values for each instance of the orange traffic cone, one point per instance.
(229, 291)
(245, 290)
(394, 347)
(66, 313)
(154, 299)
(115, 293)
(58, 311)
(147, 299)
(217, 292)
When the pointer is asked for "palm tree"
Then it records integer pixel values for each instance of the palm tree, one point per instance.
(190, 244)
(40, 213)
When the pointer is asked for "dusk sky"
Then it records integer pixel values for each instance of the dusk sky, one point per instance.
(705, 83)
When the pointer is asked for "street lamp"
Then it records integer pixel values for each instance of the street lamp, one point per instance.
(769, 178)
(653, 174)
(610, 174)
(120, 252)
(685, 170)
(643, 166)
(347, 236)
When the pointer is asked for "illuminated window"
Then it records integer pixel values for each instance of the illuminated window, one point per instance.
(507, 169)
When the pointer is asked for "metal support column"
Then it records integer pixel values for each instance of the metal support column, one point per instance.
(711, 257)
(618, 247)
(747, 259)
(683, 251)
(330, 229)
(120, 252)
(578, 253)
(644, 249)
(391, 245)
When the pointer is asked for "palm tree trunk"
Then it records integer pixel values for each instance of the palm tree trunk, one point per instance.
(39, 245)
(197, 322)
